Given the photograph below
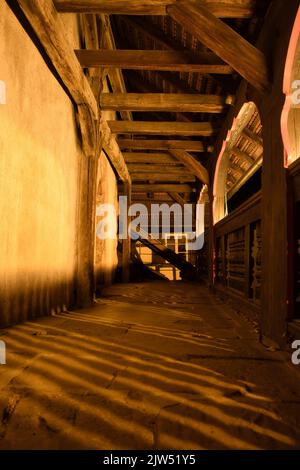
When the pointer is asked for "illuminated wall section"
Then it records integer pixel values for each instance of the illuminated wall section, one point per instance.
(39, 154)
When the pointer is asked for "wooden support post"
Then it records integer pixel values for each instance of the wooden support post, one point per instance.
(126, 244)
(274, 231)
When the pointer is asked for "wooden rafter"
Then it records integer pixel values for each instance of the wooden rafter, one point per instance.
(149, 144)
(205, 129)
(152, 60)
(162, 188)
(223, 41)
(156, 168)
(154, 158)
(165, 102)
(223, 9)
(162, 41)
(166, 177)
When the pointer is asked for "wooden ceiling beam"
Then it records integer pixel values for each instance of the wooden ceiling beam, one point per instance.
(166, 177)
(154, 158)
(230, 46)
(165, 102)
(158, 167)
(162, 41)
(223, 9)
(144, 86)
(176, 61)
(149, 144)
(162, 188)
(205, 129)
(192, 164)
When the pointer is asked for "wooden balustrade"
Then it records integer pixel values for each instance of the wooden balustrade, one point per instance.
(238, 247)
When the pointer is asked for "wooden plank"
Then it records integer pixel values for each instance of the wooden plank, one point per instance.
(166, 102)
(205, 129)
(166, 177)
(162, 188)
(223, 41)
(223, 9)
(193, 165)
(154, 158)
(175, 61)
(147, 144)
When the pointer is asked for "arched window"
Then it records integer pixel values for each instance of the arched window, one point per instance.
(239, 161)
(290, 121)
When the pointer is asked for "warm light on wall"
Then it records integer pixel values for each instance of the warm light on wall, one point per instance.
(290, 119)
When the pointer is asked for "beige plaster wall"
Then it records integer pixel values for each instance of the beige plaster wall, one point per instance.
(39, 154)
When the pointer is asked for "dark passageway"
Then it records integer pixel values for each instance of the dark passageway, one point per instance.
(149, 225)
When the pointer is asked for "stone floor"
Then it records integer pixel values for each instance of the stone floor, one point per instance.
(151, 366)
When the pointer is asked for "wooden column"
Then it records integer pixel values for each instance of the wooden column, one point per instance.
(275, 41)
(86, 230)
(126, 244)
(274, 229)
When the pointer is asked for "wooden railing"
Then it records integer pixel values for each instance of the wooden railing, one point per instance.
(238, 247)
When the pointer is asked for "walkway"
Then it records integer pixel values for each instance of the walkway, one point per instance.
(151, 366)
